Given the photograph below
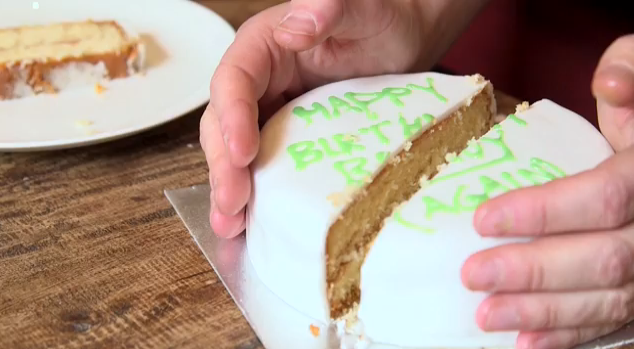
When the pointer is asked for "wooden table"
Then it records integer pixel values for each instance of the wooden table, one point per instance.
(92, 255)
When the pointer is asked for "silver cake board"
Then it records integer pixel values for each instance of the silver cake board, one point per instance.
(277, 324)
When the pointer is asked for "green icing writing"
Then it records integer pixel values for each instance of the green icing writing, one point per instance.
(339, 105)
(465, 202)
(507, 155)
(428, 118)
(305, 153)
(376, 130)
(345, 144)
(517, 120)
(430, 88)
(539, 171)
(361, 102)
(307, 114)
(381, 156)
(411, 129)
(433, 205)
(508, 178)
(364, 100)
(353, 170)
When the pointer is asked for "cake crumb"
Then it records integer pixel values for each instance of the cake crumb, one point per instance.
(441, 167)
(424, 179)
(314, 330)
(522, 107)
(336, 199)
(83, 123)
(477, 78)
(407, 146)
(394, 160)
(99, 89)
(351, 138)
(450, 157)
(91, 132)
(367, 179)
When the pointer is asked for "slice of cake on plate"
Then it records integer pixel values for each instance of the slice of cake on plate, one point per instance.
(51, 58)
(349, 219)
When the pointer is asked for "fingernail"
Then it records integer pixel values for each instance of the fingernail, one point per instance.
(496, 222)
(299, 22)
(615, 83)
(503, 318)
(486, 277)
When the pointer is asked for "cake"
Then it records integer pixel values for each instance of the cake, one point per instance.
(364, 193)
(51, 58)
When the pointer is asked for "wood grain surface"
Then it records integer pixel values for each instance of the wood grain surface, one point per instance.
(93, 256)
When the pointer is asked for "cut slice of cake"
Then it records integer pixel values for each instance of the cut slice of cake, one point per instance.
(335, 162)
(424, 153)
(51, 58)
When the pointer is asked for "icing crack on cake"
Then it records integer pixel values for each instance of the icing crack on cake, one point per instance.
(54, 57)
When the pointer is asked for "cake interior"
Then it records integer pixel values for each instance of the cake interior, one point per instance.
(60, 41)
(351, 236)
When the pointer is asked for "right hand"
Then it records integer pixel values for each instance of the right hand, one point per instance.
(281, 53)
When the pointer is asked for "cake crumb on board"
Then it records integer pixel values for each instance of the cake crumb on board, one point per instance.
(314, 330)
(99, 89)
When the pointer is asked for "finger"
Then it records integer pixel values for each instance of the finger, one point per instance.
(243, 77)
(231, 186)
(560, 263)
(602, 198)
(308, 23)
(548, 311)
(226, 226)
(236, 87)
(562, 339)
(613, 87)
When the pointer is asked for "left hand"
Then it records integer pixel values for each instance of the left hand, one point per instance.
(576, 282)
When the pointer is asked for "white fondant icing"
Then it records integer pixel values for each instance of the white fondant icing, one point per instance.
(411, 293)
(291, 210)
(410, 282)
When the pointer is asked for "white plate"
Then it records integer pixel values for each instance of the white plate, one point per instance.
(184, 40)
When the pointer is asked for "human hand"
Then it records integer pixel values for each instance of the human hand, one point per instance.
(559, 299)
(281, 53)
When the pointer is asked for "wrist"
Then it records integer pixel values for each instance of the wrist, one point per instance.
(441, 23)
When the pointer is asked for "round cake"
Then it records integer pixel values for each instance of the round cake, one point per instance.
(364, 194)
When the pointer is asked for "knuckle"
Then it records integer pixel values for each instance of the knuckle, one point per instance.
(576, 336)
(221, 69)
(551, 317)
(614, 198)
(615, 262)
(536, 275)
(618, 305)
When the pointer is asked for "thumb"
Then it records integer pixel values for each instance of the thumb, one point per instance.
(308, 23)
(613, 87)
